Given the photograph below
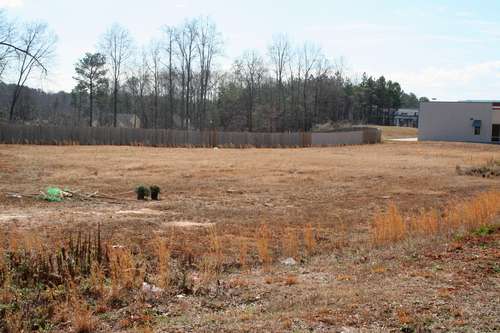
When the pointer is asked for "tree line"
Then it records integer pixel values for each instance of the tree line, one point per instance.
(177, 81)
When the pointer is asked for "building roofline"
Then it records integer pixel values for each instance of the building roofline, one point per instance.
(464, 102)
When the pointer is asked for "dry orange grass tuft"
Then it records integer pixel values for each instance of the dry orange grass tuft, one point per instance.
(310, 239)
(263, 247)
(126, 273)
(425, 224)
(83, 321)
(243, 254)
(164, 270)
(291, 280)
(97, 279)
(216, 248)
(291, 244)
(388, 227)
(466, 216)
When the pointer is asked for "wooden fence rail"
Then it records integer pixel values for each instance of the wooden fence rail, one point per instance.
(51, 135)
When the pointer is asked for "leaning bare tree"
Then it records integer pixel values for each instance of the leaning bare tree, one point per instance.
(36, 47)
(116, 44)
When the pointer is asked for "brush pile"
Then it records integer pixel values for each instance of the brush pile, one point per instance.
(489, 170)
(54, 194)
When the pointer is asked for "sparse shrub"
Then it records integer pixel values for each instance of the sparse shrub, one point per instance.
(484, 231)
(142, 192)
(488, 170)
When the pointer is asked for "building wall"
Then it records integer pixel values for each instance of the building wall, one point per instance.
(452, 121)
(495, 117)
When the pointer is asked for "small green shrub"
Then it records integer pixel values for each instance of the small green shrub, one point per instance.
(484, 231)
(142, 192)
(155, 192)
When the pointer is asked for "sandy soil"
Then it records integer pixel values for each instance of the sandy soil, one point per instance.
(337, 190)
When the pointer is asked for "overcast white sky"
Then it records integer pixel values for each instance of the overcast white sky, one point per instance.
(446, 49)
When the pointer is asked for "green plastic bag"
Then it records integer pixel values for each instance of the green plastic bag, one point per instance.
(54, 194)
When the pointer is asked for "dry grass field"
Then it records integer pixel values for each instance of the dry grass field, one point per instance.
(383, 237)
(394, 132)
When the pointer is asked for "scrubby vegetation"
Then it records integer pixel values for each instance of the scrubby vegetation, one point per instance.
(488, 170)
(74, 279)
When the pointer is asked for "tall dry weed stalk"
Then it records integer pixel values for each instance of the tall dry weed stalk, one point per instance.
(216, 248)
(83, 319)
(263, 246)
(243, 254)
(291, 244)
(310, 239)
(211, 264)
(125, 272)
(164, 268)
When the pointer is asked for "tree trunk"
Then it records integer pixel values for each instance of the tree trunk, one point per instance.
(115, 102)
(91, 92)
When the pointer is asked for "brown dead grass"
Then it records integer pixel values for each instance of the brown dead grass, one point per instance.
(256, 208)
(394, 132)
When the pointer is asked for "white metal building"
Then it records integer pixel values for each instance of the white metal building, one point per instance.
(460, 121)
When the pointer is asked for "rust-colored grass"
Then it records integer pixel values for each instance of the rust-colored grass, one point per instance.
(164, 267)
(291, 244)
(263, 246)
(389, 227)
(458, 217)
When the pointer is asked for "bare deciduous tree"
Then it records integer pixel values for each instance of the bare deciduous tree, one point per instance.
(117, 45)
(186, 43)
(209, 46)
(6, 36)
(169, 47)
(36, 46)
(139, 85)
(251, 70)
(309, 56)
(155, 70)
(279, 53)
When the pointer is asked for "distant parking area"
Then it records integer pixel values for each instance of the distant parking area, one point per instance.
(393, 132)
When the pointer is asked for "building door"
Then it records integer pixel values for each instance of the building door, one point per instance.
(495, 133)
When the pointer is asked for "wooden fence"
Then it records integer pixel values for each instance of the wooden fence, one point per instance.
(51, 135)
